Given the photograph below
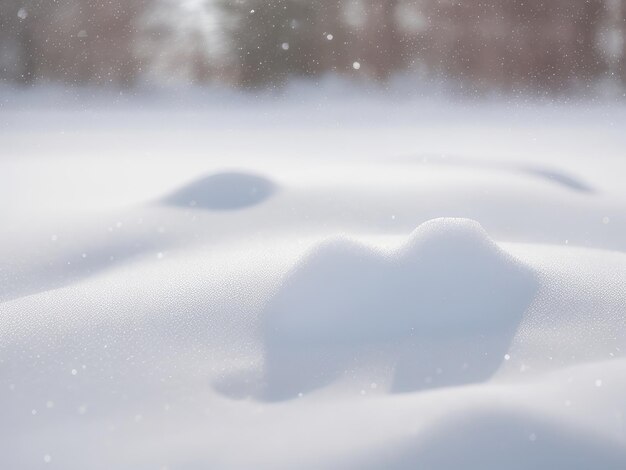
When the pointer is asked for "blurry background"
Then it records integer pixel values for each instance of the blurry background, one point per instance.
(531, 46)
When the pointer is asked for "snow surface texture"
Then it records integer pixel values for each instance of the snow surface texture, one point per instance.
(343, 284)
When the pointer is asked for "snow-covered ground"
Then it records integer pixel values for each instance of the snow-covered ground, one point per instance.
(312, 283)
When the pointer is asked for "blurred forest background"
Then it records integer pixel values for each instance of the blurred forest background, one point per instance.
(551, 46)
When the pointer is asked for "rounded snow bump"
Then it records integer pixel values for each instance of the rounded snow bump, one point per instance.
(223, 191)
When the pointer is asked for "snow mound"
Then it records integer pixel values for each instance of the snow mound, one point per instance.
(444, 307)
(502, 439)
(224, 191)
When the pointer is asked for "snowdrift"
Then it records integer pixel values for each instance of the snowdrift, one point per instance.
(223, 191)
(447, 302)
(333, 303)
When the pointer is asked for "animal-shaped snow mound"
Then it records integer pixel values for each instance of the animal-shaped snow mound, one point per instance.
(224, 191)
(444, 306)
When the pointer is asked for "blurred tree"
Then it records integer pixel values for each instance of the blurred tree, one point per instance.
(508, 45)
(621, 28)
(382, 51)
(75, 41)
(175, 47)
(332, 36)
(272, 40)
(20, 53)
(532, 44)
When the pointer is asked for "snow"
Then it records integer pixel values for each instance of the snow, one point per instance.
(223, 191)
(449, 282)
(312, 283)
